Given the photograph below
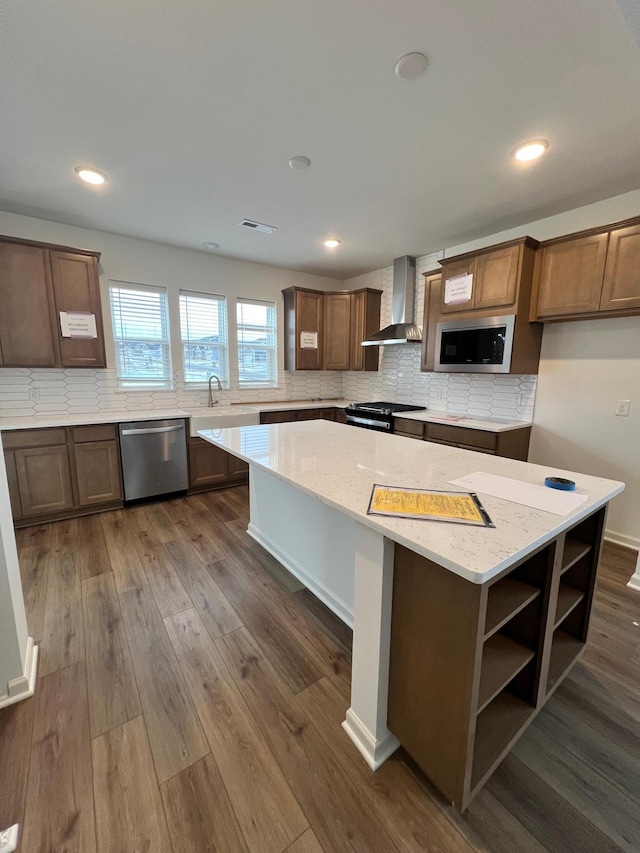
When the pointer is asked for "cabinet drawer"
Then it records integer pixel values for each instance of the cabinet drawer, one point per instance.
(473, 438)
(409, 427)
(440, 441)
(408, 435)
(278, 417)
(477, 449)
(19, 438)
(100, 432)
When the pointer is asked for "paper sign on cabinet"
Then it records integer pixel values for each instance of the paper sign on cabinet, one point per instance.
(458, 289)
(308, 340)
(78, 324)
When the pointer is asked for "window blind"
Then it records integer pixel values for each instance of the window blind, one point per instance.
(257, 346)
(203, 329)
(141, 335)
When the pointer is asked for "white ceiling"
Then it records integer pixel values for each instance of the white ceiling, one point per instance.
(194, 108)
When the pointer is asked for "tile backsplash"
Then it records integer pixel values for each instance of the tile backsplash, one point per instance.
(42, 392)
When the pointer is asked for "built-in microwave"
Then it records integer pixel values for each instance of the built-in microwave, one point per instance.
(480, 345)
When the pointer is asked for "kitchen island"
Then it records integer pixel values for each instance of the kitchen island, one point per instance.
(460, 634)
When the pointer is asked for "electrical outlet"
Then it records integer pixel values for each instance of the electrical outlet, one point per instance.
(622, 408)
(35, 397)
(9, 839)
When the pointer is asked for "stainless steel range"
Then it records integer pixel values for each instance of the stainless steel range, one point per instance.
(378, 416)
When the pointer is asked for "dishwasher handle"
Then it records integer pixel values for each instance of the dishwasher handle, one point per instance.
(152, 429)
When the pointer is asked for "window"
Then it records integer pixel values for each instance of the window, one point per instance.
(257, 350)
(203, 328)
(140, 335)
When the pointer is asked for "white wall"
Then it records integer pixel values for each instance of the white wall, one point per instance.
(585, 368)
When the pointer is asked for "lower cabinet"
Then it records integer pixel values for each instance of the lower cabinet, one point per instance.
(513, 444)
(212, 467)
(282, 417)
(44, 479)
(57, 473)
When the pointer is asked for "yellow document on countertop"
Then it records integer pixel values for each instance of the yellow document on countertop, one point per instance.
(428, 504)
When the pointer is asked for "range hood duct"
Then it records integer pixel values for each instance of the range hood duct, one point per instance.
(402, 329)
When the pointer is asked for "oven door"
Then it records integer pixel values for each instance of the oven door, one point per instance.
(475, 346)
(369, 421)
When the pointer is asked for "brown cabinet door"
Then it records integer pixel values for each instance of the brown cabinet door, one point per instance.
(76, 287)
(98, 472)
(12, 479)
(337, 331)
(365, 321)
(432, 299)
(208, 464)
(340, 416)
(27, 320)
(451, 271)
(278, 417)
(238, 468)
(495, 282)
(309, 315)
(568, 277)
(622, 271)
(44, 479)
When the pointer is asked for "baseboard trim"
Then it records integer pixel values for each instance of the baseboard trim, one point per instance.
(335, 604)
(622, 539)
(375, 752)
(24, 686)
(634, 582)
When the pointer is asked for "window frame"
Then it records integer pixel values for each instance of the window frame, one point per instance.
(145, 383)
(222, 345)
(271, 349)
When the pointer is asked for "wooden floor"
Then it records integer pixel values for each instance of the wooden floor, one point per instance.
(190, 696)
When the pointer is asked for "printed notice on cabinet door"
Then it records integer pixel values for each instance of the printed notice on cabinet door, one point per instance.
(308, 340)
(458, 289)
(78, 324)
(428, 504)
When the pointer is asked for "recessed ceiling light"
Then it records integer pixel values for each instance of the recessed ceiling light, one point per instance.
(411, 65)
(299, 163)
(332, 243)
(90, 176)
(531, 150)
(211, 246)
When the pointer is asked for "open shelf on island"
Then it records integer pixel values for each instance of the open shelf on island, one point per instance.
(564, 650)
(568, 598)
(502, 659)
(574, 550)
(497, 728)
(506, 598)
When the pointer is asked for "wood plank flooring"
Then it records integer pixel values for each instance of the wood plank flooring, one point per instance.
(190, 696)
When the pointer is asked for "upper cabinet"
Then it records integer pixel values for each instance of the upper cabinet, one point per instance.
(76, 288)
(337, 331)
(500, 277)
(303, 324)
(593, 273)
(621, 287)
(432, 299)
(324, 331)
(37, 282)
(28, 331)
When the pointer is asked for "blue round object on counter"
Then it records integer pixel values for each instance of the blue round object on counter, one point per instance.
(560, 483)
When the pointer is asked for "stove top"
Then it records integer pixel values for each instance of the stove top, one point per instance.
(384, 408)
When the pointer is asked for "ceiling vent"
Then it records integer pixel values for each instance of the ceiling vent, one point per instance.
(257, 226)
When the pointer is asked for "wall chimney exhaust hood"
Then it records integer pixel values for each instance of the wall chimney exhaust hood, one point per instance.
(402, 329)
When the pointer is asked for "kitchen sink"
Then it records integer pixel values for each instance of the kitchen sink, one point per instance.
(220, 417)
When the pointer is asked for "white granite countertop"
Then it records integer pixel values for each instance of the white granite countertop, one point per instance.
(488, 424)
(56, 420)
(339, 465)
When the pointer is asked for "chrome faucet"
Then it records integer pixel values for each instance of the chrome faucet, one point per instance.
(213, 402)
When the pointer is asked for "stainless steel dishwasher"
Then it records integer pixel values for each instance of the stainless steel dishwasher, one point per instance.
(154, 458)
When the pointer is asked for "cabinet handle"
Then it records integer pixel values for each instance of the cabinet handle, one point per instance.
(151, 429)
